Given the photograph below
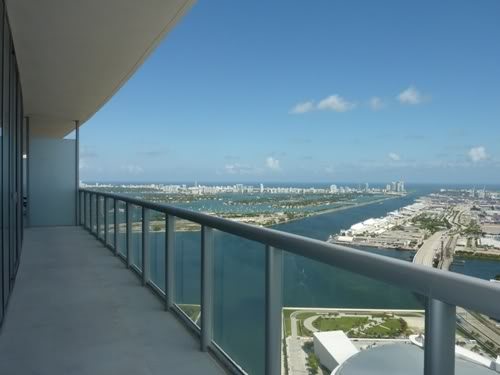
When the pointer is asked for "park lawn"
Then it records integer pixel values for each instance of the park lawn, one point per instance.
(393, 324)
(300, 317)
(191, 310)
(286, 319)
(390, 328)
(344, 323)
(303, 331)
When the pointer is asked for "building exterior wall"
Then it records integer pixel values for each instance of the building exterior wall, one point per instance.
(51, 186)
(324, 355)
(11, 156)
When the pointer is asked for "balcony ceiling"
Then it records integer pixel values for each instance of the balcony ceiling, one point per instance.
(74, 55)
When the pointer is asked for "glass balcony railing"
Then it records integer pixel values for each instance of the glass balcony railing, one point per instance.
(121, 228)
(156, 249)
(188, 268)
(233, 285)
(109, 223)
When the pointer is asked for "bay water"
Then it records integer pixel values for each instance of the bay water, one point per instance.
(240, 278)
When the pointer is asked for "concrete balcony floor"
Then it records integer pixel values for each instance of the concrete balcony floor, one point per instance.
(76, 309)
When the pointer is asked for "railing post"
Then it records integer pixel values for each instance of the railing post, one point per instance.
(115, 221)
(79, 207)
(169, 261)
(82, 207)
(91, 213)
(145, 246)
(89, 203)
(128, 214)
(439, 354)
(105, 214)
(85, 224)
(207, 286)
(97, 219)
(274, 305)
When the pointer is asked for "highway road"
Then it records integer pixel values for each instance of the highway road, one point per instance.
(425, 255)
(485, 330)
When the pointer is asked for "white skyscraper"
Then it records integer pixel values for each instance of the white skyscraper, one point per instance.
(261, 188)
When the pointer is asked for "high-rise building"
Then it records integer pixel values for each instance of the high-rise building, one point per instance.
(261, 188)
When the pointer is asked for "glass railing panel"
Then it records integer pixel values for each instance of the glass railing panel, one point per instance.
(373, 322)
(121, 237)
(239, 297)
(101, 212)
(477, 335)
(477, 342)
(110, 214)
(188, 268)
(157, 249)
(136, 237)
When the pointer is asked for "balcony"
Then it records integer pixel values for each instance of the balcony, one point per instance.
(111, 284)
(77, 310)
(100, 305)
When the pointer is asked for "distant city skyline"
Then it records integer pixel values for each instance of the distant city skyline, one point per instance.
(358, 92)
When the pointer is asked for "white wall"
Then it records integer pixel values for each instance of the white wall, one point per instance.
(324, 355)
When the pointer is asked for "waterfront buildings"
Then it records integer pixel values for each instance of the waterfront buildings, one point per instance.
(200, 189)
(396, 187)
(333, 348)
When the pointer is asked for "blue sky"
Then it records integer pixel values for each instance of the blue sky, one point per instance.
(310, 91)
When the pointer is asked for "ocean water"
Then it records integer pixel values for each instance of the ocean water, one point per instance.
(239, 278)
(481, 268)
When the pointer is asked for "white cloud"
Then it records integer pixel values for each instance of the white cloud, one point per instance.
(394, 157)
(236, 168)
(336, 103)
(477, 154)
(132, 169)
(273, 163)
(410, 96)
(86, 152)
(303, 107)
(83, 164)
(376, 103)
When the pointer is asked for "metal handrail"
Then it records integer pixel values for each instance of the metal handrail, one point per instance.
(449, 287)
(442, 290)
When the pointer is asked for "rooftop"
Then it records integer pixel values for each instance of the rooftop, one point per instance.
(405, 359)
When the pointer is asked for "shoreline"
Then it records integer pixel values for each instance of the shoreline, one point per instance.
(356, 245)
(337, 209)
(346, 309)
(465, 255)
(305, 216)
